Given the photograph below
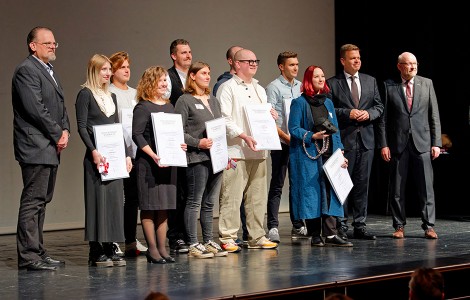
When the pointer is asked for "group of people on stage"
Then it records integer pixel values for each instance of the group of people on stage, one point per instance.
(314, 116)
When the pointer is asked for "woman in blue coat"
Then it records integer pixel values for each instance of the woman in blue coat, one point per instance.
(314, 138)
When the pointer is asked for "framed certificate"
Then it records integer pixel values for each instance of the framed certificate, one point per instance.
(262, 126)
(169, 135)
(219, 153)
(109, 141)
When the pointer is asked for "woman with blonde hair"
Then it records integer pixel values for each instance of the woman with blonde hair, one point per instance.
(104, 200)
(156, 185)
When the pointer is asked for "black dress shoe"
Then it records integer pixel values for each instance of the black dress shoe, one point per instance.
(40, 266)
(317, 241)
(336, 241)
(342, 234)
(53, 262)
(169, 259)
(362, 234)
(152, 260)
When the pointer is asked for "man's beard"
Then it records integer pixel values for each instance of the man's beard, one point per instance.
(52, 57)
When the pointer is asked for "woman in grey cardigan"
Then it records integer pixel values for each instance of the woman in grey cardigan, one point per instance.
(197, 106)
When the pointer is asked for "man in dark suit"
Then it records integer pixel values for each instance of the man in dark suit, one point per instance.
(409, 138)
(358, 113)
(40, 133)
(180, 53)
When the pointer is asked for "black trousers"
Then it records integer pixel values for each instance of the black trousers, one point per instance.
(359, 167)
(176, 226)
(38, 188)
(131, 206)
(279, 168)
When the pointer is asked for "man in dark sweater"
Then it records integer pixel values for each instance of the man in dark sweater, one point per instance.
(180, 53)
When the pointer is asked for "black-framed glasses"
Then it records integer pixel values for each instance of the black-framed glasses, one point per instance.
(251, 62)
(49, 44)
(410, 64)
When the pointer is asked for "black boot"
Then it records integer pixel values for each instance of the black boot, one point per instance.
(110, 252)
(97, 258)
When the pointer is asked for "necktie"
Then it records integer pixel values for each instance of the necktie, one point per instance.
(354, 92)
(409, 96)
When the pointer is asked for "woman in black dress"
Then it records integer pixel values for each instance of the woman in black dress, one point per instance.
(104, 200)
(156, 186)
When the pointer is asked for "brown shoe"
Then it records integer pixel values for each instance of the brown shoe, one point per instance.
(399, 233)
(430, 234)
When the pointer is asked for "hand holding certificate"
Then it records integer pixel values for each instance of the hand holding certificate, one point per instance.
(338, 176)
(109, 140)
(262, 126)
(169, 135)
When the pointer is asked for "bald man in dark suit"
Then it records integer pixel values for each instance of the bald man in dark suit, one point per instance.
(409, 138)
(40, 133)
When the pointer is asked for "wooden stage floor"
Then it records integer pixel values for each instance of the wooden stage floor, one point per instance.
(250, 274)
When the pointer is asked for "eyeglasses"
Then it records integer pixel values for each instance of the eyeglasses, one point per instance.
(410, 64)
(49, 44)
(251, 62)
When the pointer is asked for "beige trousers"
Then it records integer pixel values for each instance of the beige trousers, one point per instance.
(248, 182)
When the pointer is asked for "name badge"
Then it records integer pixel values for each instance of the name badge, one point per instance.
(199, 106)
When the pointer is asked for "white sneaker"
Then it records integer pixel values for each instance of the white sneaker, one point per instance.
(117, 249)
(140, 247)
(215, 248)
(273, 235)
(198, 250)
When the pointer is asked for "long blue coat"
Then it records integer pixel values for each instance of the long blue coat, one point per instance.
(307, 178)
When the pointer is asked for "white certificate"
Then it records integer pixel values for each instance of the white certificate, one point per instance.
(338, 176)
(287, 103)
(219, 153)
(125, 116)
(169, 135)
(109, 141)
(262, 126)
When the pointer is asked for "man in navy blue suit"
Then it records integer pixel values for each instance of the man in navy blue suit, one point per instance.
(357, 118)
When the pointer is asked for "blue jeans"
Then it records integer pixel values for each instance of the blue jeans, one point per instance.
(203, 189)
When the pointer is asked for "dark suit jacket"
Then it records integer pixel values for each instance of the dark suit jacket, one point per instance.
(422, 122)
(369, 101)
(176, 85)
(39, 114)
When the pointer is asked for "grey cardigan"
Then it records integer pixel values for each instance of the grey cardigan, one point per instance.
(195, 114)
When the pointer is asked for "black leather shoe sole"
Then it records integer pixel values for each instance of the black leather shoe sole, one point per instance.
(337, 242)
(363, 236)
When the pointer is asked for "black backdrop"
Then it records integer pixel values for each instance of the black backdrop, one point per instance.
(435, 34)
